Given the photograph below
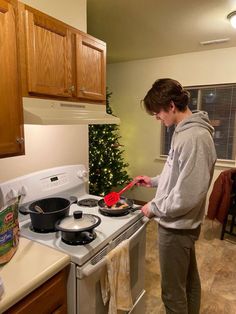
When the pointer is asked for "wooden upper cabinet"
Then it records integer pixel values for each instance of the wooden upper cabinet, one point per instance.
(58, 60)
(11, 112)
(48, 54)
(90, 68)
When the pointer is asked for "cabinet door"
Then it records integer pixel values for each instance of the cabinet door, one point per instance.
(90, 68)
(48, 49)
(11, 112)
(50, 297)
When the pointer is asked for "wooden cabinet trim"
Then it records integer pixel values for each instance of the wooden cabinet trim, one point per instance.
(3, 6)
(52, 26)
(29, 29)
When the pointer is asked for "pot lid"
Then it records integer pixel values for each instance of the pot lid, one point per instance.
(78, 222)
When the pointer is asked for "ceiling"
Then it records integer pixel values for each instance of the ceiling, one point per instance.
(141, 29)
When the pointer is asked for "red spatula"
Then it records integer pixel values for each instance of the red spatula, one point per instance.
(113, 197)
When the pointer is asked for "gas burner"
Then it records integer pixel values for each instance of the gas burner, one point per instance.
(79, 238)
(88, 202)
(114, 215)
(41, 230)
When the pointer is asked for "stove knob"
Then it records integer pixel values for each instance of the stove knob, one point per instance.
(23, 190)
(77, 214)
(12, 194)
(82, 174)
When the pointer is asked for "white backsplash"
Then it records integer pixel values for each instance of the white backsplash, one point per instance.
(47, 147)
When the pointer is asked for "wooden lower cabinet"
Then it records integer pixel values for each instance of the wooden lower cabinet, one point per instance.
(49, 298)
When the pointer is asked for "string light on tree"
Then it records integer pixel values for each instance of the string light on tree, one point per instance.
(107, 168)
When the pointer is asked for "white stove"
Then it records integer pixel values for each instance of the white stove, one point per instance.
(87, 260)
(108, 230)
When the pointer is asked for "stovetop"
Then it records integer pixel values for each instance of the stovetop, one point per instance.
(65, 181)
(106, 232)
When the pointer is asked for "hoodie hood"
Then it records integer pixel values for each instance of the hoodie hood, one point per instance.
(198, 118)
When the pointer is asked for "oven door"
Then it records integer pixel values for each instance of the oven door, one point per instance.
(89, 297)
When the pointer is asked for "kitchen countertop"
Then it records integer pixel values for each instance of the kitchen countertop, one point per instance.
(32, 265)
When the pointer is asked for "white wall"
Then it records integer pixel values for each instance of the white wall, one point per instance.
(52, 146)
(129, 82)
(72, 12)
(47, 147)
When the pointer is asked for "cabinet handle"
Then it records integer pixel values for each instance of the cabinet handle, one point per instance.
(72, 88)
(20, 140)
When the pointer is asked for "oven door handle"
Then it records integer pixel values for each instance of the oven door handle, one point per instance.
(90, 269)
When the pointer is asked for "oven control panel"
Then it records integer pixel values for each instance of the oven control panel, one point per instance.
(54, 181)
(44, 183)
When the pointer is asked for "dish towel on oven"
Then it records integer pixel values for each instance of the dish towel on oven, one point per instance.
(115, 283)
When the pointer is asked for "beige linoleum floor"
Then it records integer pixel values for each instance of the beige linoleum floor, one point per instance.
(217, 267)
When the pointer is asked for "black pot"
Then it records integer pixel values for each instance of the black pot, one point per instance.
(54, 209)
(79, 228)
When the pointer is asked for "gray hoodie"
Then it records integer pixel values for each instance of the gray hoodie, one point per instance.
(183, 184)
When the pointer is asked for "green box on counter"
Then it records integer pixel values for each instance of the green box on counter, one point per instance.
(9, 230)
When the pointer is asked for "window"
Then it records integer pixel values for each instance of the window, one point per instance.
(220, 103)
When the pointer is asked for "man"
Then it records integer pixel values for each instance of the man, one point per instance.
(179, 204)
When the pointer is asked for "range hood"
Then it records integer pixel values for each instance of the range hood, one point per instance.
(52, 112)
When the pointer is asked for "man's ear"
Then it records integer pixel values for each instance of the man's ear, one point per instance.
(172, 106)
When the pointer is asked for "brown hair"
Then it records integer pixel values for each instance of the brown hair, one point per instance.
(161, 94)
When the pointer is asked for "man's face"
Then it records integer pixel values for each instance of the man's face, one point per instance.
(168, 118)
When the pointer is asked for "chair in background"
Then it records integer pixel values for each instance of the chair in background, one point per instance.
(228, 225)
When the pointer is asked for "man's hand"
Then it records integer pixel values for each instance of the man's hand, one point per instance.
(143, 181)
(147, 212)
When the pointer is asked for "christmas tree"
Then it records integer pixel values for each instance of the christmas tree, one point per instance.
(107, 168)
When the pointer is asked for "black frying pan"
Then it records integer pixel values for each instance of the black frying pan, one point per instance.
(118, 211)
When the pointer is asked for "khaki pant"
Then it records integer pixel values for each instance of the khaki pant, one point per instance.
(180, 281)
